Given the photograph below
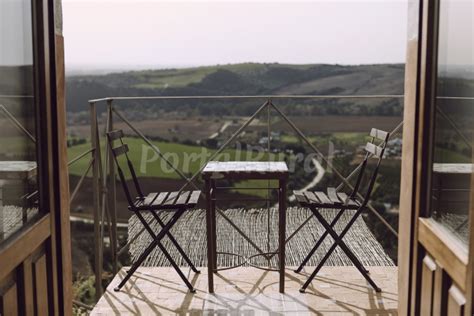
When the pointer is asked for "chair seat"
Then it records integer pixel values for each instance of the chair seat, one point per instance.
(168, 200)
(332, 199)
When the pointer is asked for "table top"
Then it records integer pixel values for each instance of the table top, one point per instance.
(246, 169)
(453, 168)
(17, 169)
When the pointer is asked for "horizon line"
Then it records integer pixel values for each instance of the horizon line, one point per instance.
(195, 65)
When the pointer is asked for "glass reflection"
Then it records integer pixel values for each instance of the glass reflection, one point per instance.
(18, 185)
(454, 118)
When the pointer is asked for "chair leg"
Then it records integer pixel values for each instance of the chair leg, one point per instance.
(344, 247)
(318, 243)
(176, 267)
(167, 255)
(175, 243)
(315, 272)
(339, 241)
(135, 266)
(149, 249)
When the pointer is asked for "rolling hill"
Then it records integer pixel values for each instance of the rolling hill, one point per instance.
(248, 79)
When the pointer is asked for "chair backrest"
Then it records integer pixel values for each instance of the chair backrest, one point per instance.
(372, 150)
(118, 151)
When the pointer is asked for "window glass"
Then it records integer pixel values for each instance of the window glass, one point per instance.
(18, 183)
(454, 118)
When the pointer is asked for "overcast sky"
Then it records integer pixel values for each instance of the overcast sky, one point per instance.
(110, 33)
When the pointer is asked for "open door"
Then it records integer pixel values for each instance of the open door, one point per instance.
(436, 202)
(35, 268)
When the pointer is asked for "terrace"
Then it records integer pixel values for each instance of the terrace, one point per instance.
(247, 226)
(269, 152)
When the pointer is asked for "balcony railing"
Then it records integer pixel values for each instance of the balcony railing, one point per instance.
(103, 172)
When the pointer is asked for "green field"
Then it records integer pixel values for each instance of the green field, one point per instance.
(293, 139)
(187, 159)
(178, 78)
(351, 139)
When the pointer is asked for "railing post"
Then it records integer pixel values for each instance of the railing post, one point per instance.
(95, 143)
(269, 135)
(112, 195)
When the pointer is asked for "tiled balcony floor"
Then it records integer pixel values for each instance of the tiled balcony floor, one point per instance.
(250, 291)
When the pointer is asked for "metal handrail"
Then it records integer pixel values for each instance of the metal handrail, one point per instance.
(16, 96)
(268, 96)
(441, 97)
(281, 96)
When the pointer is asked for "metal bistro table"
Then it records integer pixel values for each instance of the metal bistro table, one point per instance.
(243, 170)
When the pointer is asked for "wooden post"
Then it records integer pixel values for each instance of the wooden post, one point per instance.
(96, 202)
(112, 195)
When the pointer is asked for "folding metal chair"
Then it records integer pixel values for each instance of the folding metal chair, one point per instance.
(341, 202)
(178, 202)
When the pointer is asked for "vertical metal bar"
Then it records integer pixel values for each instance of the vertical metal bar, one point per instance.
(112, 196)
(268, 181)
(103, 190)
(95, 202)
(214, 224)
(282, 232)
(104, 171)
(210, 259)
(102, 201)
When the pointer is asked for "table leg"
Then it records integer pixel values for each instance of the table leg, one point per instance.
(214, 224)
(282, 232)
(210, 259)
